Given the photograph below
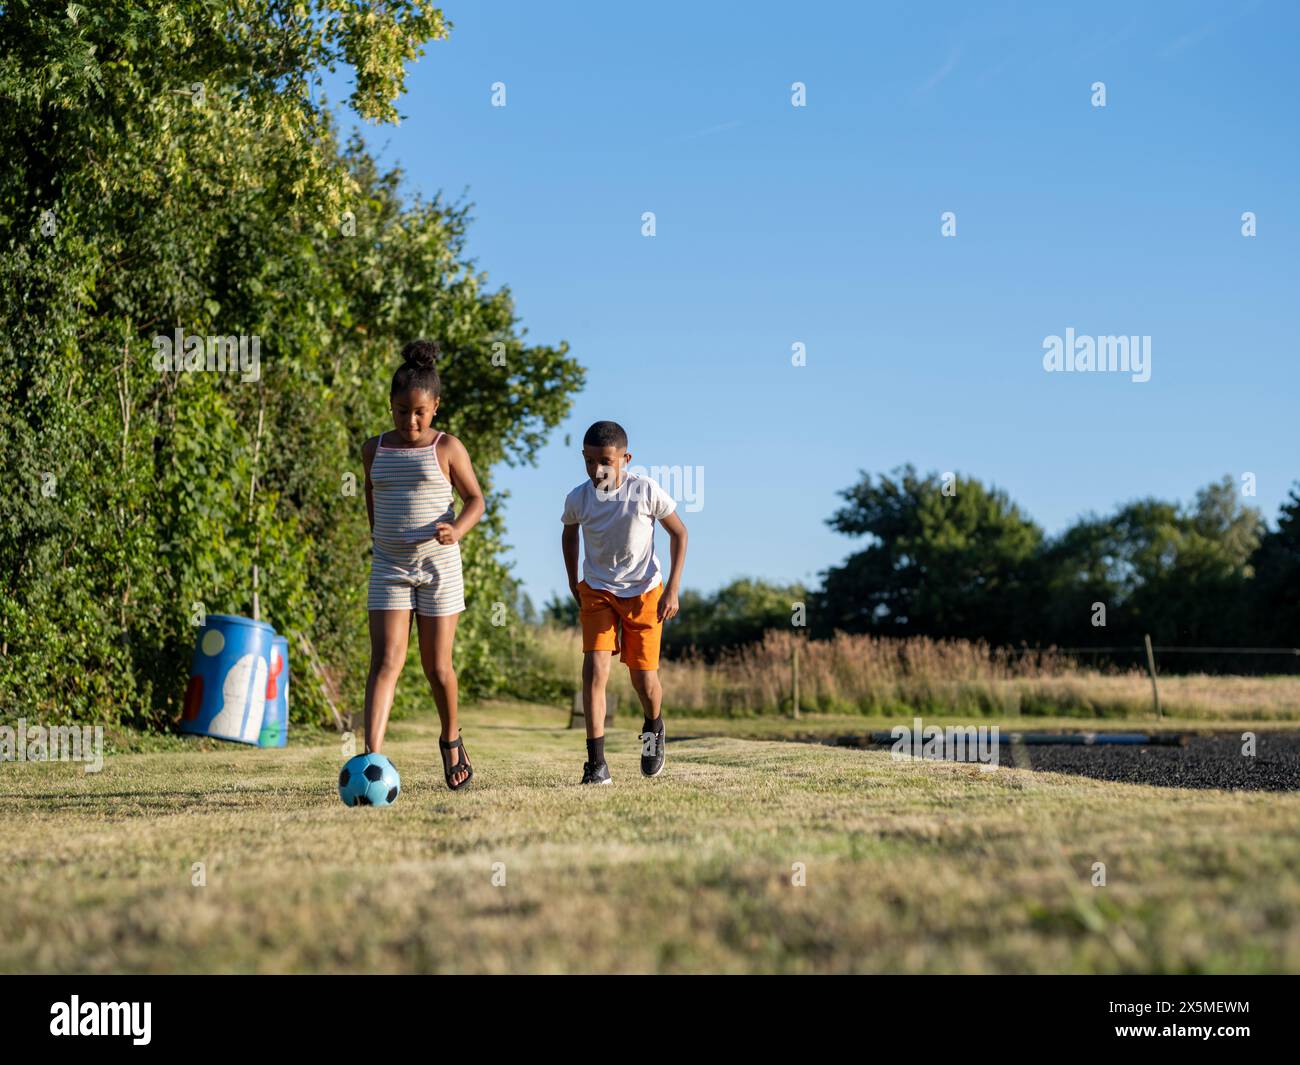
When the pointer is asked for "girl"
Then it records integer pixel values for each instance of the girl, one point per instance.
(410, 472)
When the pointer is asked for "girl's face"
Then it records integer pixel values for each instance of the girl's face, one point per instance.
(413, 410)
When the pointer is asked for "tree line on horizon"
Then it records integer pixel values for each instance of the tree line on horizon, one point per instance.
(956, 559)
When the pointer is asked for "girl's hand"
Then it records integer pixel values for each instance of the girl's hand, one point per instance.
(446, 533)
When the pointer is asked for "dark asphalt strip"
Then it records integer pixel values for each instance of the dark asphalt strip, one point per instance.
(1191, 761)
(1204, 762)
(1195, 761)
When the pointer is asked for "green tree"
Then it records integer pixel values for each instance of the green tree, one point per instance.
(1181, 574)
(561, 610)
(1276, 591)
(949, 559)
(176, 167)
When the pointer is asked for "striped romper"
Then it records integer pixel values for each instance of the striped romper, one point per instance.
(410, 570)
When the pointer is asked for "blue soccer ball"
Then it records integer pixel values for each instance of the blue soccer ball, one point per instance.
(369, 780)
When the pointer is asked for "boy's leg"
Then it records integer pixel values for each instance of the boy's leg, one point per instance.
(645, 682)
(595, 677)
(437, 635)
(642, 633)
(389, 632)
(599, 641)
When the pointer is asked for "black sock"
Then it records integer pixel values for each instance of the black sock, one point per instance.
(596, 750)
(656, 726)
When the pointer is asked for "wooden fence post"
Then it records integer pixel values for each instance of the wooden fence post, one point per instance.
(1151, 665)
(794, 679)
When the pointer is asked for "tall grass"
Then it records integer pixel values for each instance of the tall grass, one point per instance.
(852, 674)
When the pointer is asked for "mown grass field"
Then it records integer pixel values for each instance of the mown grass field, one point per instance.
(909, 866)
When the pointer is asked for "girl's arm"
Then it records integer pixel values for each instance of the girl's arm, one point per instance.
(367, 457)
(465, 482)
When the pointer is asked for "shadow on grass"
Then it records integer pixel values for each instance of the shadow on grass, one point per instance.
(148, 802)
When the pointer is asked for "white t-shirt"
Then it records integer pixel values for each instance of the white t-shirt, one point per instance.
(618, 533)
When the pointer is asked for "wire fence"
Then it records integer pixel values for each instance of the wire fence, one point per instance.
(1222, 661)
(1151, 651)
(1159, 649)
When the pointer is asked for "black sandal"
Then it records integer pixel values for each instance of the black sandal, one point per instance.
(450, 770)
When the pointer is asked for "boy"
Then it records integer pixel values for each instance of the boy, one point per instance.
(622, 582)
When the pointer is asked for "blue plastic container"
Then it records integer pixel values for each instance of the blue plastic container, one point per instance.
(226, 695)
(275, 722)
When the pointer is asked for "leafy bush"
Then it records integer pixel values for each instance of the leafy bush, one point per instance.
(169, 168)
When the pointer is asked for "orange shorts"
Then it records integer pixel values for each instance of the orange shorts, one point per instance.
(601, 613)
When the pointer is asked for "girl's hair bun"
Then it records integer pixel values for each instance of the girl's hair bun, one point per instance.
(420, 354)
(419, 369)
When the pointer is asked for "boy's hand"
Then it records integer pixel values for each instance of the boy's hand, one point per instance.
(573, 587)
(446, 533)
(668, 604)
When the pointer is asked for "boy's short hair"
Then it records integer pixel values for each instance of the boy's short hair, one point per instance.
(605, 434)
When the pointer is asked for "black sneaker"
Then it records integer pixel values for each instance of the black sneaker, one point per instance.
(652, 752)
(595, 774)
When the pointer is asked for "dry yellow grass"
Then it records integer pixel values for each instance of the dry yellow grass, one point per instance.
(870, 675)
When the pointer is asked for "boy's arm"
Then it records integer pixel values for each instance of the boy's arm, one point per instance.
(677, 546)
(569, 544)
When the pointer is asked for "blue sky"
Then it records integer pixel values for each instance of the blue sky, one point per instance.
(821, 225)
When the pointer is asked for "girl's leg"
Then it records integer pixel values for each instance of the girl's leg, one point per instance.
(437, 635)
(389, 632)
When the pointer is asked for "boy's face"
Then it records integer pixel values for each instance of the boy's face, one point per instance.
(413, 410)
(605, 465)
